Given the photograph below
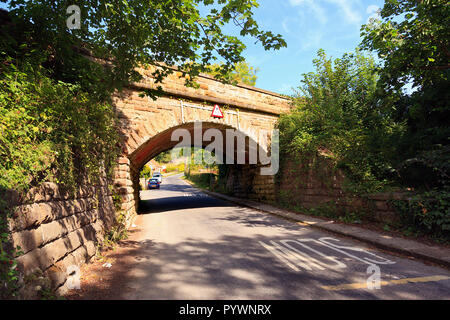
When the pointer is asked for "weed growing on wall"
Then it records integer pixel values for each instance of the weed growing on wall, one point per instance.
(9, 274)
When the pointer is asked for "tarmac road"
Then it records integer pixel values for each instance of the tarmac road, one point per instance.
(194, 246)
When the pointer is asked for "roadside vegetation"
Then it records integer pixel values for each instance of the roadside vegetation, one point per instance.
(384, 122)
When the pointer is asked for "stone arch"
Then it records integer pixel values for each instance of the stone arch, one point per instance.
(130, 164)
(144, 121)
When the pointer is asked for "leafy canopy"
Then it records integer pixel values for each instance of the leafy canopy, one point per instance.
(242, 73)
(133, 33)
(412, 40)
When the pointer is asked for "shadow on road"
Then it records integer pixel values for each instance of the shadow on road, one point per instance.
(228, 267)
(229, 264)
(160, 205)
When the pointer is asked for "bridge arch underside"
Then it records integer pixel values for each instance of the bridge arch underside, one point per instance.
(242, 153)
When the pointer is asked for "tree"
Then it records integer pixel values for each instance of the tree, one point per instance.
(413, 41)
(163, 157)
(242, 73)
(146, 172)
(134, 33)
(339, 112)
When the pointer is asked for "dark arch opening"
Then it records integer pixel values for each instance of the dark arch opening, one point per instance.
(242, 173)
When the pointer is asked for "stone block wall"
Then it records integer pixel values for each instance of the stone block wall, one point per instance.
(57, 229)
(214, 91)
(320, 185)
(245, 181)
(126, 185)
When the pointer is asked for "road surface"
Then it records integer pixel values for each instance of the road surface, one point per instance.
(193, 246)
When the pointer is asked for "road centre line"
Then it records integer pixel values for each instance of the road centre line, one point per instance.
(363, 285)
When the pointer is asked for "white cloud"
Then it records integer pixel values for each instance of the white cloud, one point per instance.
(318, 11)
(258, 60)
(346, 7)
(374, 12)
(284, 24)
(311, 40)
(372, 9)
(296, 2)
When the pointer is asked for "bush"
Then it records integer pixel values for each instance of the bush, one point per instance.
(339, 115)
(201, 179)
(146, 172)
(427, 213)
(51, 130)
(428, 170)
(175, 167)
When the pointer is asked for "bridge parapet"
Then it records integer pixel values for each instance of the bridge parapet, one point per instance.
(214, 91)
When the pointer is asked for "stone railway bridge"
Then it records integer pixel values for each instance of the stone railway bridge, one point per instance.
(58, 231)
(147, 125)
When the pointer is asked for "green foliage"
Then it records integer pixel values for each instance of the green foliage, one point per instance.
(117, 198)
(136, 33)
(117, 233)
(429, 169)
(357, 113)
(338, 115)
(328, 209)
(51, 130)
(242, 73)
(163, 157)
(201, 180)
(9, 274)
(427, 213)
(344, 114)
(146, 172)
(412, 41)
(47, 293)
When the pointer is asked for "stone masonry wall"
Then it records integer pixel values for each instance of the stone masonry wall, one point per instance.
(245, 181)
(214, 91)
(321, 185)
(56, 229)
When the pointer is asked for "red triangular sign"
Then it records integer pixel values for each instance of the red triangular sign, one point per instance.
(217, 113)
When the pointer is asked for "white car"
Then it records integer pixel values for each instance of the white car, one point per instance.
(158, 176)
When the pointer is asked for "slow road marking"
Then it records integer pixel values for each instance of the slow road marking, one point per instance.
(308, 254)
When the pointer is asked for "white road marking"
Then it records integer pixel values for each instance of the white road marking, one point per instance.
(341, 249)
(297, 259)
(337, 264)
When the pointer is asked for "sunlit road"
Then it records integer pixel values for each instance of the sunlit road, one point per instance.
(193, 246)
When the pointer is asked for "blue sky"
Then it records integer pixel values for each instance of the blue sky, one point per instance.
(306, 25)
